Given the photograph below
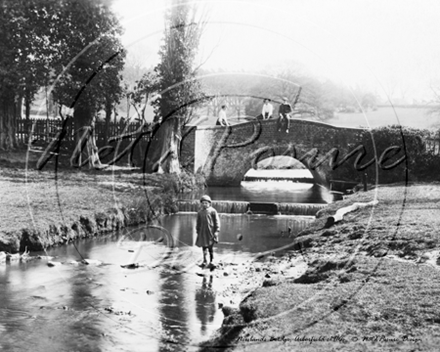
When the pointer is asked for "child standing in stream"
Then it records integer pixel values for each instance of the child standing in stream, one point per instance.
(207, 228)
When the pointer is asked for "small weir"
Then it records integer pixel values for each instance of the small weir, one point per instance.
(268, 208)
(113, 306)
(227, 207)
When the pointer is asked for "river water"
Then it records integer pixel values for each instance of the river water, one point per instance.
(164, 305)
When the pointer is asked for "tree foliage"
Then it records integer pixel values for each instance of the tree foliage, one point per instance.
(179, 91)
(177, 85)
(319, 98)
(25, 59)
(399, 153)
(133, 72)
(140, 95)
(234, 90)
(70, 45)
(93, 57)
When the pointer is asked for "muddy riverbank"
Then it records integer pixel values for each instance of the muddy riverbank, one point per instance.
(40, 209)
(370, 282)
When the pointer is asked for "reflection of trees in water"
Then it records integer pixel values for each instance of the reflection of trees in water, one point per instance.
(181, 227)
(258, 234)
(205, 303)
(83, 327)
(10, 322)
(33, 319)
(173, 313)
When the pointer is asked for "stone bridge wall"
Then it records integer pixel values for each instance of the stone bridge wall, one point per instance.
(224, 155)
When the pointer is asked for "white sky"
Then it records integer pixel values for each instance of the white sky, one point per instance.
(390, 46)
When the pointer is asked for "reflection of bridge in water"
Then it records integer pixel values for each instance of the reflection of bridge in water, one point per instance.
(224, 155)
(279, 178)
(290, 174)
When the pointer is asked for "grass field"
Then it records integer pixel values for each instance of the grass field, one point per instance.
(48, 207)
(384, 116)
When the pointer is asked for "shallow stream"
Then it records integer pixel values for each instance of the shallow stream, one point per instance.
(163, 305)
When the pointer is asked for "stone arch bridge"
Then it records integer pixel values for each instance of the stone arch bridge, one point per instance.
(225, 154)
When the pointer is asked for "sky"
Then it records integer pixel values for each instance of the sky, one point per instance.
(390, 47)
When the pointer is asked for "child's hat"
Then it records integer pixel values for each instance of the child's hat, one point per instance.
(206, 198)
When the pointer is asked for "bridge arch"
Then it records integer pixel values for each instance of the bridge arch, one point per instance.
(279, 167)
(251, 159)
(224, 155)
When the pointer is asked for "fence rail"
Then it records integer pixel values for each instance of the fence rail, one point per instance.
(46, 129)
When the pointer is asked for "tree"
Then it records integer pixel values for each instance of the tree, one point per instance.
(231, 89)
(274, 87)
(91, 80)
(141, 94)
(319, 98)
(179, 91)
(71, 45)
(133, 73)
(25, 59)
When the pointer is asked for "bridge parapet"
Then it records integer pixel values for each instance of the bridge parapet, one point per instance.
(224, 155)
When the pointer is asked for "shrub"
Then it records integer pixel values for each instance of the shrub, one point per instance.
(418, 164)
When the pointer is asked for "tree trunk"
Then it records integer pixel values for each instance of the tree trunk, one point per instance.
(8, 113)
(82, 118)
(163, 151)
(108, 115)
(27, 112)
(92, 151)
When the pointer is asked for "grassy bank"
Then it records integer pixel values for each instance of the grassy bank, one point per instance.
(372, 282)
(45, 208)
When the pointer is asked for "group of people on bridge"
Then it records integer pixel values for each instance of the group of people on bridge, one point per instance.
(284, 111)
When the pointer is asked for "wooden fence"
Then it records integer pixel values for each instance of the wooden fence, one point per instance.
(46, 129)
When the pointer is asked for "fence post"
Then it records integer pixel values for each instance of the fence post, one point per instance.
(364, 180)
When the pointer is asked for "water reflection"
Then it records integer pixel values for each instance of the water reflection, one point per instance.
(173, 313)
(258, 233)
(205, 303)
(9, 318)
(84, 325)
(64, 307)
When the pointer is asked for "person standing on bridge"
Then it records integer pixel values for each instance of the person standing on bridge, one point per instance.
(284, 113)
(207, 229)
(222, 120)
(267, 110)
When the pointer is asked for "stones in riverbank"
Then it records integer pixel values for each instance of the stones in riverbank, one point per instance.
(10, 241)
(17, 257)
(44, 257)
(91, 262)
(12, 257)
(51, 263)
(37, 239)
(22, 257)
